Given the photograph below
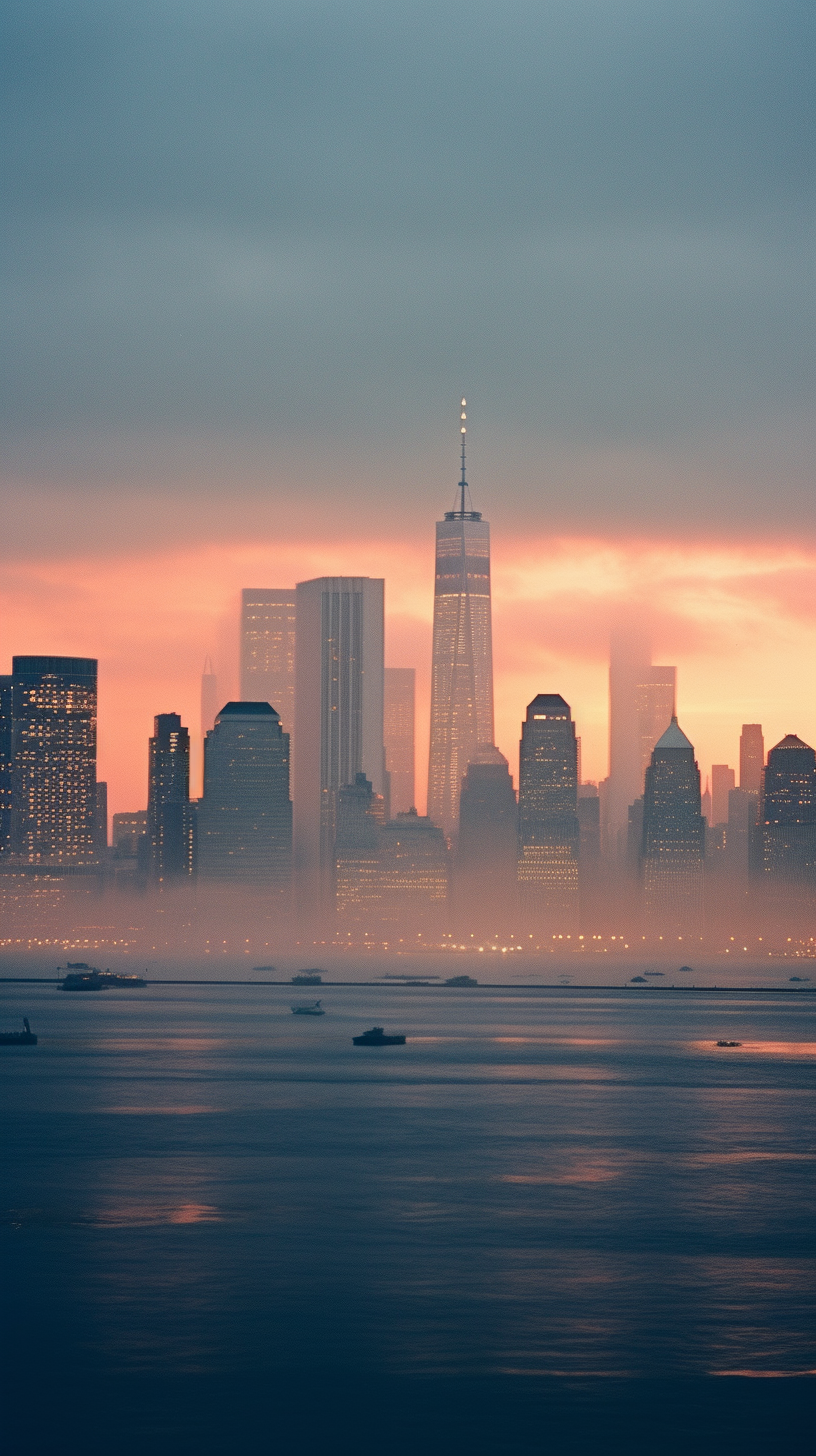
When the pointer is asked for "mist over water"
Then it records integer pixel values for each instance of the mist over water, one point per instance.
(570, 1199)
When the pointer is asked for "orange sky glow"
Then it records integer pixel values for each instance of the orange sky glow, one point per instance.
(737, 619)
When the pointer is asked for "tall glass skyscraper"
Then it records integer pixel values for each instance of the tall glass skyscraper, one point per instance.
(268, 650)
(339, 717)
(53, 750)
(169, 811)
(462, 668)
(245, 815)
(549, 832)
(673, 838)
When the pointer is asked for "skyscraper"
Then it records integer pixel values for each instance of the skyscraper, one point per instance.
(787, 815)
(268, 650)
(548, 817)
(5, 762)
(53, 777)
(413, 878)
(209, 697)
(487, 849)
(723, 780)
(398, 732)
(339, 716)
(245, 815)
(360, 816)
(641, 706)
(462, 667)
(169, 812)
(673, 838)
(752, 757)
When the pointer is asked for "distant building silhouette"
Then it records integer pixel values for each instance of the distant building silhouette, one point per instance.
(101, 820)
(170, 826)
(245, 814)
(641, 706)
(549, 833)
(787, 815)
(673, 838)
(413, 878)
(209, 697)
(723, 780)
(752, 757)
(398, 734)
(5, 763)
(268, 650)
(462, 665)
(339, 724)
(53, 776)
(129, 828)
(487, 847)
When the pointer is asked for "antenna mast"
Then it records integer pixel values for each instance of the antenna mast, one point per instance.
(463, 481)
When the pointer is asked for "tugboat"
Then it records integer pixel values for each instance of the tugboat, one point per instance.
(312, 1008)
(19, 1038)
(377, 1037)
(81, 977)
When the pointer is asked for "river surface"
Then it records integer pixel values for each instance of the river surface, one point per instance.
(554, 1221)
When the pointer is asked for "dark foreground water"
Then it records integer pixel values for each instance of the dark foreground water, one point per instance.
(553, 1222)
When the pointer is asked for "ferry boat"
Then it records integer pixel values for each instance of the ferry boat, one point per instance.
(377, 1037)
(307, 978)
(312, 1008)
(19, 1038)
(728, 1043)
(81, 977)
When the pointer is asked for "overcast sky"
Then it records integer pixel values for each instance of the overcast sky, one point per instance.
(258, 243)
(255, 252)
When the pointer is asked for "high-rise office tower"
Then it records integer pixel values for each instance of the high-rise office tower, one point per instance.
(549, 832)
(723, 780)
(209, 697)
(53, 777)
(413, 878)
(268, 650)
(360, 816)
(398, 732)
(487, 848)
(787, 815)
(5, 762)
(673, 838)
(169, 812)
(339, 716)
(462, 667)
(752, 757)
(641, 706)
(245, 815)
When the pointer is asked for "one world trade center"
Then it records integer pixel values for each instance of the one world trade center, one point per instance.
(462, 672)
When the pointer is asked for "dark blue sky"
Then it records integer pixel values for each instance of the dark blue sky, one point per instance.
(260, 249)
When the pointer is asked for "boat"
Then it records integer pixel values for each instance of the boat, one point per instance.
(728, 1043)
(377, 1037)
(461, 981)
(80, 977)
(307, 978)
(312, 1008)
(19, 1038)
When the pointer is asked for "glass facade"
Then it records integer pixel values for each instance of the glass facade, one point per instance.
(787, 814)
(462, 667)
(673, 838)
(398, 735)
(268, 650)
(53, 748)
(549, 832)
(245, 815)
(169, 812)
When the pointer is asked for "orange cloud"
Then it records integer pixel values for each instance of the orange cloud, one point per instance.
(738, 621)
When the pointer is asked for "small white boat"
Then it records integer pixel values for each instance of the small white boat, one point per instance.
(312, 1008)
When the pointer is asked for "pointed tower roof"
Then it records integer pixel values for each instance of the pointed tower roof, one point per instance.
(790, 741)
(674, 737)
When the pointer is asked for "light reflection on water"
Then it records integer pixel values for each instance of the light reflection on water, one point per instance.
(542, 1184)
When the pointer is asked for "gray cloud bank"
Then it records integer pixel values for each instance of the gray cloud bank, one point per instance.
(265, 237)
